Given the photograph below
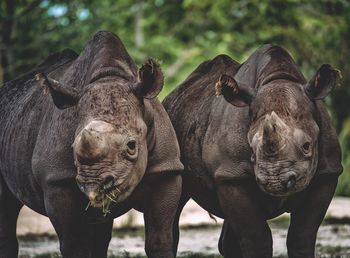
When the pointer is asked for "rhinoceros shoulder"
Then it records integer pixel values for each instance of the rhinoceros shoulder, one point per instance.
(163, 147)
(329, 152)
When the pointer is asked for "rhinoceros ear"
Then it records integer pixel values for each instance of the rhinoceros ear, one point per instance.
(323, 82)
(151, 80)
(237, 94)
(62, 96)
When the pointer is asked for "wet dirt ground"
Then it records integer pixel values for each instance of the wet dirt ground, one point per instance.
(199, 234)
(333, 241)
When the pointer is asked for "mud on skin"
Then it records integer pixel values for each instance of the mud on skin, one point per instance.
(256, 141)
(94, 134)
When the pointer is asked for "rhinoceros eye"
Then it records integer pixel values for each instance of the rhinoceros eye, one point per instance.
(131, 145)
(306, 147)
(131, 149)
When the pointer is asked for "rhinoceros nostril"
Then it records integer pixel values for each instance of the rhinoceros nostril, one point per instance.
(108, 183)
(291, 182)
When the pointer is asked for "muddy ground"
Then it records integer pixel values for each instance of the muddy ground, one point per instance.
(199, 234)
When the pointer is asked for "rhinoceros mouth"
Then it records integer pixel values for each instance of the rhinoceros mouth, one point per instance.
(280, 190)
(104, 198)
(103, 204)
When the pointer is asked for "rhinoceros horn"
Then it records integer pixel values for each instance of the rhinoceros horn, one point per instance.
(91, 145)
(272, 133)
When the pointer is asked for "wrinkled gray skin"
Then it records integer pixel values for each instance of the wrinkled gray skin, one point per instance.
(101, 129)
(256, 141)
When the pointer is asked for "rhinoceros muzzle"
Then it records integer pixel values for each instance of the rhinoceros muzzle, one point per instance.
(100, 195)
(277, 178)
(104, 186)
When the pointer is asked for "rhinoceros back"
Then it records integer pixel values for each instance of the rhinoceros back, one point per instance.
(22, 110)
(12, 90)
(197, 93)
(189, 107)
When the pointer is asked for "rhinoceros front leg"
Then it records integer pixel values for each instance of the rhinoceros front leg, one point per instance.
(228, 244)
(159, 213)
(308, 215)
(78, 238)
(9, 209)
(240, 205)
(176, 229)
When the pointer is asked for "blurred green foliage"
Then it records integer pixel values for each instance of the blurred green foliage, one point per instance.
(184, 33)
(343, 187)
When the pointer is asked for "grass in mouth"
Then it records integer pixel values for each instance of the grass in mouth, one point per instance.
(106, 202)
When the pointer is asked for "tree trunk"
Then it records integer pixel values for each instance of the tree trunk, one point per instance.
(139, 39)
(6, 72)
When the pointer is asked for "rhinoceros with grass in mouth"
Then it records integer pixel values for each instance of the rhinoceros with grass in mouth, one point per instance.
(98, 146)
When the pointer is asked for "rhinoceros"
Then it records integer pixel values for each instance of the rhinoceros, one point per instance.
(97, 146)
(256, 141)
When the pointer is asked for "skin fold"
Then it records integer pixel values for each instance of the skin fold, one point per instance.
(256, 141)
(84, 140)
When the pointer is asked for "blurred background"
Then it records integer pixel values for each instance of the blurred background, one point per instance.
(182, 34)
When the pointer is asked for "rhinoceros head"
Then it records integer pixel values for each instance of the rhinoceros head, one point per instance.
(110, 147)
(284, 128)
